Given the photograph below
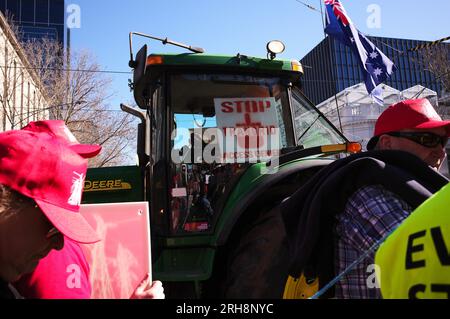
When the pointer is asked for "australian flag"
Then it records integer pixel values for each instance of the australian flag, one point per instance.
(375, 65)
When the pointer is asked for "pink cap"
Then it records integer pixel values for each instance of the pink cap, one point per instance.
(60, 130)
(41, 167)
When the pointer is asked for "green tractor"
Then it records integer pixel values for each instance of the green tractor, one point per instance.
(214, 233)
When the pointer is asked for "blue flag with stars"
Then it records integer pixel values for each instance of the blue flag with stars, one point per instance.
(376, 66)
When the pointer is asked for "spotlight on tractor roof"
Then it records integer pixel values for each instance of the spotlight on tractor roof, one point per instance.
(275, 47)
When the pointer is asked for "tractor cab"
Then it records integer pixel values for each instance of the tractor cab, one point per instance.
(206, 120)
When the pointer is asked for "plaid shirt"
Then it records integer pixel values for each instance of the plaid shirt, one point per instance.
(370, 213)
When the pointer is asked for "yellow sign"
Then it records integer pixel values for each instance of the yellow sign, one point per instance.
(108, 185)
(415, 260)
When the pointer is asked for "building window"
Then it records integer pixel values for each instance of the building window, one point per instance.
(356, 73)
(13, 7)
(39, 33)
(42, 10)
(415, 76)
(420, 77)
(35, 107)
(338, 57)
(27, 11)
(402, 62)
(407, 75)
(21, 98)
(427, 77)
(345, 81)
(349, 57)
(57, 12)
(28, 102)
(14, 107)
(339, 72)
(361, 77)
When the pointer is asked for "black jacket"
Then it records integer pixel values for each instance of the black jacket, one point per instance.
(5, 292)
(309, 214)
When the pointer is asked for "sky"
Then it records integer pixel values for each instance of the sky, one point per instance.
(236, 26)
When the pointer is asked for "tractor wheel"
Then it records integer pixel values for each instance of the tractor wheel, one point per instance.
(257, 262)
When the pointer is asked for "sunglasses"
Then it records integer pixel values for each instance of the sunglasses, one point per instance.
(52, 233)
(426, 139)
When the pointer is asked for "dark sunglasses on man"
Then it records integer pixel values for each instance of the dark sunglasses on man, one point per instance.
(426, 139)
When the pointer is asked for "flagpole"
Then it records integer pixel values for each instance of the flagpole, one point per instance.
(322, 18)
(334, 81)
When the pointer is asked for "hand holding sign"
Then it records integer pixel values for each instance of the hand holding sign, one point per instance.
(149, 290)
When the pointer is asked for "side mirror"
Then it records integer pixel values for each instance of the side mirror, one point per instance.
(139, 64)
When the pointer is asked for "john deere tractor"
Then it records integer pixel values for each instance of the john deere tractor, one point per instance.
(214, 233)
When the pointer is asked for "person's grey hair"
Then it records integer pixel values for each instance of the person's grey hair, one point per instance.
(10, 202)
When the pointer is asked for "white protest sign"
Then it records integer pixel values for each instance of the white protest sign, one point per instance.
(249, 127)
(120, 261)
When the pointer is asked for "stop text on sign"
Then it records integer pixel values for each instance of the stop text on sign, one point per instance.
(253, 121)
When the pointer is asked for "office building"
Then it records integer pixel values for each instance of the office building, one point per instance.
(331, 67)
(36, 19)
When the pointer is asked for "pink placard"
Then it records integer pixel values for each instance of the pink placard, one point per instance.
(121, 260)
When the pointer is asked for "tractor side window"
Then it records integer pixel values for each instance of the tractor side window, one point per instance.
(311, 127)
(159, 168)
(157, 121)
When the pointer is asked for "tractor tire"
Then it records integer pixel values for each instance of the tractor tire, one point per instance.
(257, 262)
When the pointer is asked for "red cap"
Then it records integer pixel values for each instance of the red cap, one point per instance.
(60, 130)
(41, 167)
(409, 114)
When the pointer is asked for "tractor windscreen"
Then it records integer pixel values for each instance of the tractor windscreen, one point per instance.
(221, 123)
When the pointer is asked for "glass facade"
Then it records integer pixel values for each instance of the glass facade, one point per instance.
(37, 18)
(319, 72)
(322, 79)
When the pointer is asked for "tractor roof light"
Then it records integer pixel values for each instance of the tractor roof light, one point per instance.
(155, 60)
(296, 66)
(275, 47)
